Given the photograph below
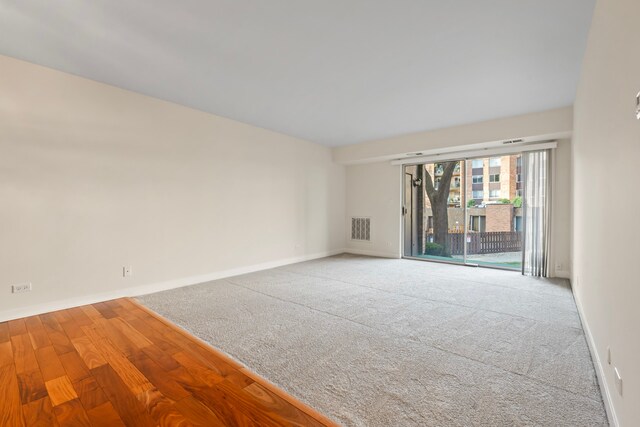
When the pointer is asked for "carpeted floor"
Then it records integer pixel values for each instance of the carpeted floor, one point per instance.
(387, 342)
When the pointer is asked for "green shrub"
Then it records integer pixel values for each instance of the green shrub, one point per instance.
(433, 249)
(504, 201)
(471, 203)
(517, 202)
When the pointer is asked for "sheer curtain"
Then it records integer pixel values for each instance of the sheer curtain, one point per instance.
(537, 212)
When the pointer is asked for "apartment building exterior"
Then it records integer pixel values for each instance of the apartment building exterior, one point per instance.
(494, 185)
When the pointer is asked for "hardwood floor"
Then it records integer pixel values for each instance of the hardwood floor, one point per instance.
(117, 363)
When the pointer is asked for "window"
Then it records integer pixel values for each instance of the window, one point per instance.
(477, 179)
(518, 193)
(494, 162)
(519, 161)
(518, 177)
(494, 194)
(477, 194)
(495, 177)
(476, 163)
(477, 223)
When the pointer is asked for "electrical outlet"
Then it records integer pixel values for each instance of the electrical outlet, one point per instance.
(618, 381)
(127, 271)
(20, 288)
(559, 266)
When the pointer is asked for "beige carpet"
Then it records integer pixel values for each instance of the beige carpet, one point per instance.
(381, 342)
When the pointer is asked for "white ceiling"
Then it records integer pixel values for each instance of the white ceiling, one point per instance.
(330, 71)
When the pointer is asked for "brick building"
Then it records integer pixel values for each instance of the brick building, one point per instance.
(492, 182)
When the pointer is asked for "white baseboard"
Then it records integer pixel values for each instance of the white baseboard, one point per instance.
(606, 393)
(366, 252)
(47, 307)
(563, 274)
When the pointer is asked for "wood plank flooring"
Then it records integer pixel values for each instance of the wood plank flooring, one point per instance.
(117, 363)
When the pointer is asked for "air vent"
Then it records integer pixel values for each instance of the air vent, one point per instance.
(512, 141)
(361, 228)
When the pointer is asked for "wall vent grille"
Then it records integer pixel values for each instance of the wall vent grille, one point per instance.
(361, 228)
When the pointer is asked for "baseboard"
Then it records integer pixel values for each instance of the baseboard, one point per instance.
(36, 309)
(606, 393)
(366, 252)
(562, 274)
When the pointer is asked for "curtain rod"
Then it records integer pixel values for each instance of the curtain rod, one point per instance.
(464, 155)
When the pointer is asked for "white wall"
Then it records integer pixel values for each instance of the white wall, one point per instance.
(375, 188)
(606, 155)
(93, 178)
(550, 124)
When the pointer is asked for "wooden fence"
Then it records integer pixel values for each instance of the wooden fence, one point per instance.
(484, 242)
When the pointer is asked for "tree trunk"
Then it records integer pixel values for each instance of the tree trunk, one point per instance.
(441, 227)
(420, 232)
(439, 205)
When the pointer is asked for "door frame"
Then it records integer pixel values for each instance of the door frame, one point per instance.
(464, 262)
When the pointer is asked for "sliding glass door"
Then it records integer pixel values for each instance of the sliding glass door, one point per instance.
(465, 211)
(434, 211)
(494, 212)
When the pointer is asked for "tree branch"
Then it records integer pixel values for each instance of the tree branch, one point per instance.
(447, 174)
(428, 181)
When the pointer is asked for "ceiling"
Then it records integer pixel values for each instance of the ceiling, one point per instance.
(334, 72)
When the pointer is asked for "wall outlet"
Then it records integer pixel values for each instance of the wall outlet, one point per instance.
(20, 288)
(559, 266)
(127, 271)
(618, 379)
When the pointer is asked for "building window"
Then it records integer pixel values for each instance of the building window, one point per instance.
(494, 194)
(519, 177)
(477, 223)
(494, 162)
(519, 161)
(495, 177)
(477, 179)
(476, 163)
(518, 193)
(477, 194)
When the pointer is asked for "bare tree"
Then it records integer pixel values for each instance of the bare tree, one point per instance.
(439, 199)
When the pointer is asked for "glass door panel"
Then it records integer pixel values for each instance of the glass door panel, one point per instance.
(434, 205)
(494, 211)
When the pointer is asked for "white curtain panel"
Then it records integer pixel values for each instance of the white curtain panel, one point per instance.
(537, 212)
